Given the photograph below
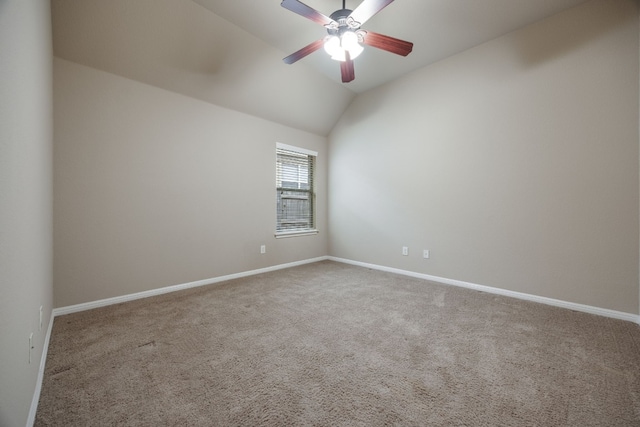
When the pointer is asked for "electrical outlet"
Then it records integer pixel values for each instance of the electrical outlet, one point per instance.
(425, 254)
(263, 249)
(405, 250)
(30, 345)
(40, 323)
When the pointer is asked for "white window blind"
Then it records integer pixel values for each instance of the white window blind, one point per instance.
(294, 189)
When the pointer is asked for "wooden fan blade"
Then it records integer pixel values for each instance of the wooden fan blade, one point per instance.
(390, 44)
(347, 70)
(310, 48)
(367, 9)
(308, 12)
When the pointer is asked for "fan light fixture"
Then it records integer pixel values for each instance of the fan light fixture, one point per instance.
(345, 37)
(337, 46)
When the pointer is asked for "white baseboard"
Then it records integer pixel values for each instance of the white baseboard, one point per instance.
(630, 317)
(520, 295)
(174, 288)
(43, 360)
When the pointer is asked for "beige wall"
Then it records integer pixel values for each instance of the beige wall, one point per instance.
(515, 163)
(153, 188)
(25, 199)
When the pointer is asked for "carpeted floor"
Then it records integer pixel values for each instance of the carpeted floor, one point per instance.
(330, 344)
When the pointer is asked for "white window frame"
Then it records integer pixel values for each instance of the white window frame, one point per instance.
(306, 231)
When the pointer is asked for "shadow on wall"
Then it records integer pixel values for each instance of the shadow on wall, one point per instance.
(534, 45)
(353, 117)
(556, 36)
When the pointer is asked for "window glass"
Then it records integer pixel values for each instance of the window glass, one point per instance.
(294, 190)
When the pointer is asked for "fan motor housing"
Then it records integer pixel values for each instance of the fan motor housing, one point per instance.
(341, 17)
(340, 14)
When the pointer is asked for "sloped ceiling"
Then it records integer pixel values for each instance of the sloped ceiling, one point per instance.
(438, 29)
(180, 46)
(229, 52)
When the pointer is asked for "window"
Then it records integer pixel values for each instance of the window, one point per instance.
(295, 198)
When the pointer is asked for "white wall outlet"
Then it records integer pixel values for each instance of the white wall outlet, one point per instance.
(263, 249)
(40, 323)
(425, 254)
(30, 345)
(405, 250)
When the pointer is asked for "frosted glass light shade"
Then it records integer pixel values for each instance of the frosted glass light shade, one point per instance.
(349, 39)
(336, 46)
(332, 46)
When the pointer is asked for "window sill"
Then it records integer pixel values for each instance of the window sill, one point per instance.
(285, 234)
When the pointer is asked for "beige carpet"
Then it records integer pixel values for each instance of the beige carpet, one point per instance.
(329, 344)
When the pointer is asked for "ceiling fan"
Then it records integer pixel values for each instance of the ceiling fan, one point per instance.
(344, 38)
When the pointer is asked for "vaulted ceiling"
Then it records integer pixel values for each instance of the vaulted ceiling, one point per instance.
(229, 52)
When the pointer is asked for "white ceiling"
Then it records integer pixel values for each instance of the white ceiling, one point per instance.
(229, 52)
(438, 29)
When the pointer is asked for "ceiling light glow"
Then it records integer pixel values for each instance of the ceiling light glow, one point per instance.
(347, 42)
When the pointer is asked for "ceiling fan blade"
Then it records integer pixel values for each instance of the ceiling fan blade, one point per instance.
(308, 49)
(347, 70)
(390, 44)
(367, 9)
(306, 11)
